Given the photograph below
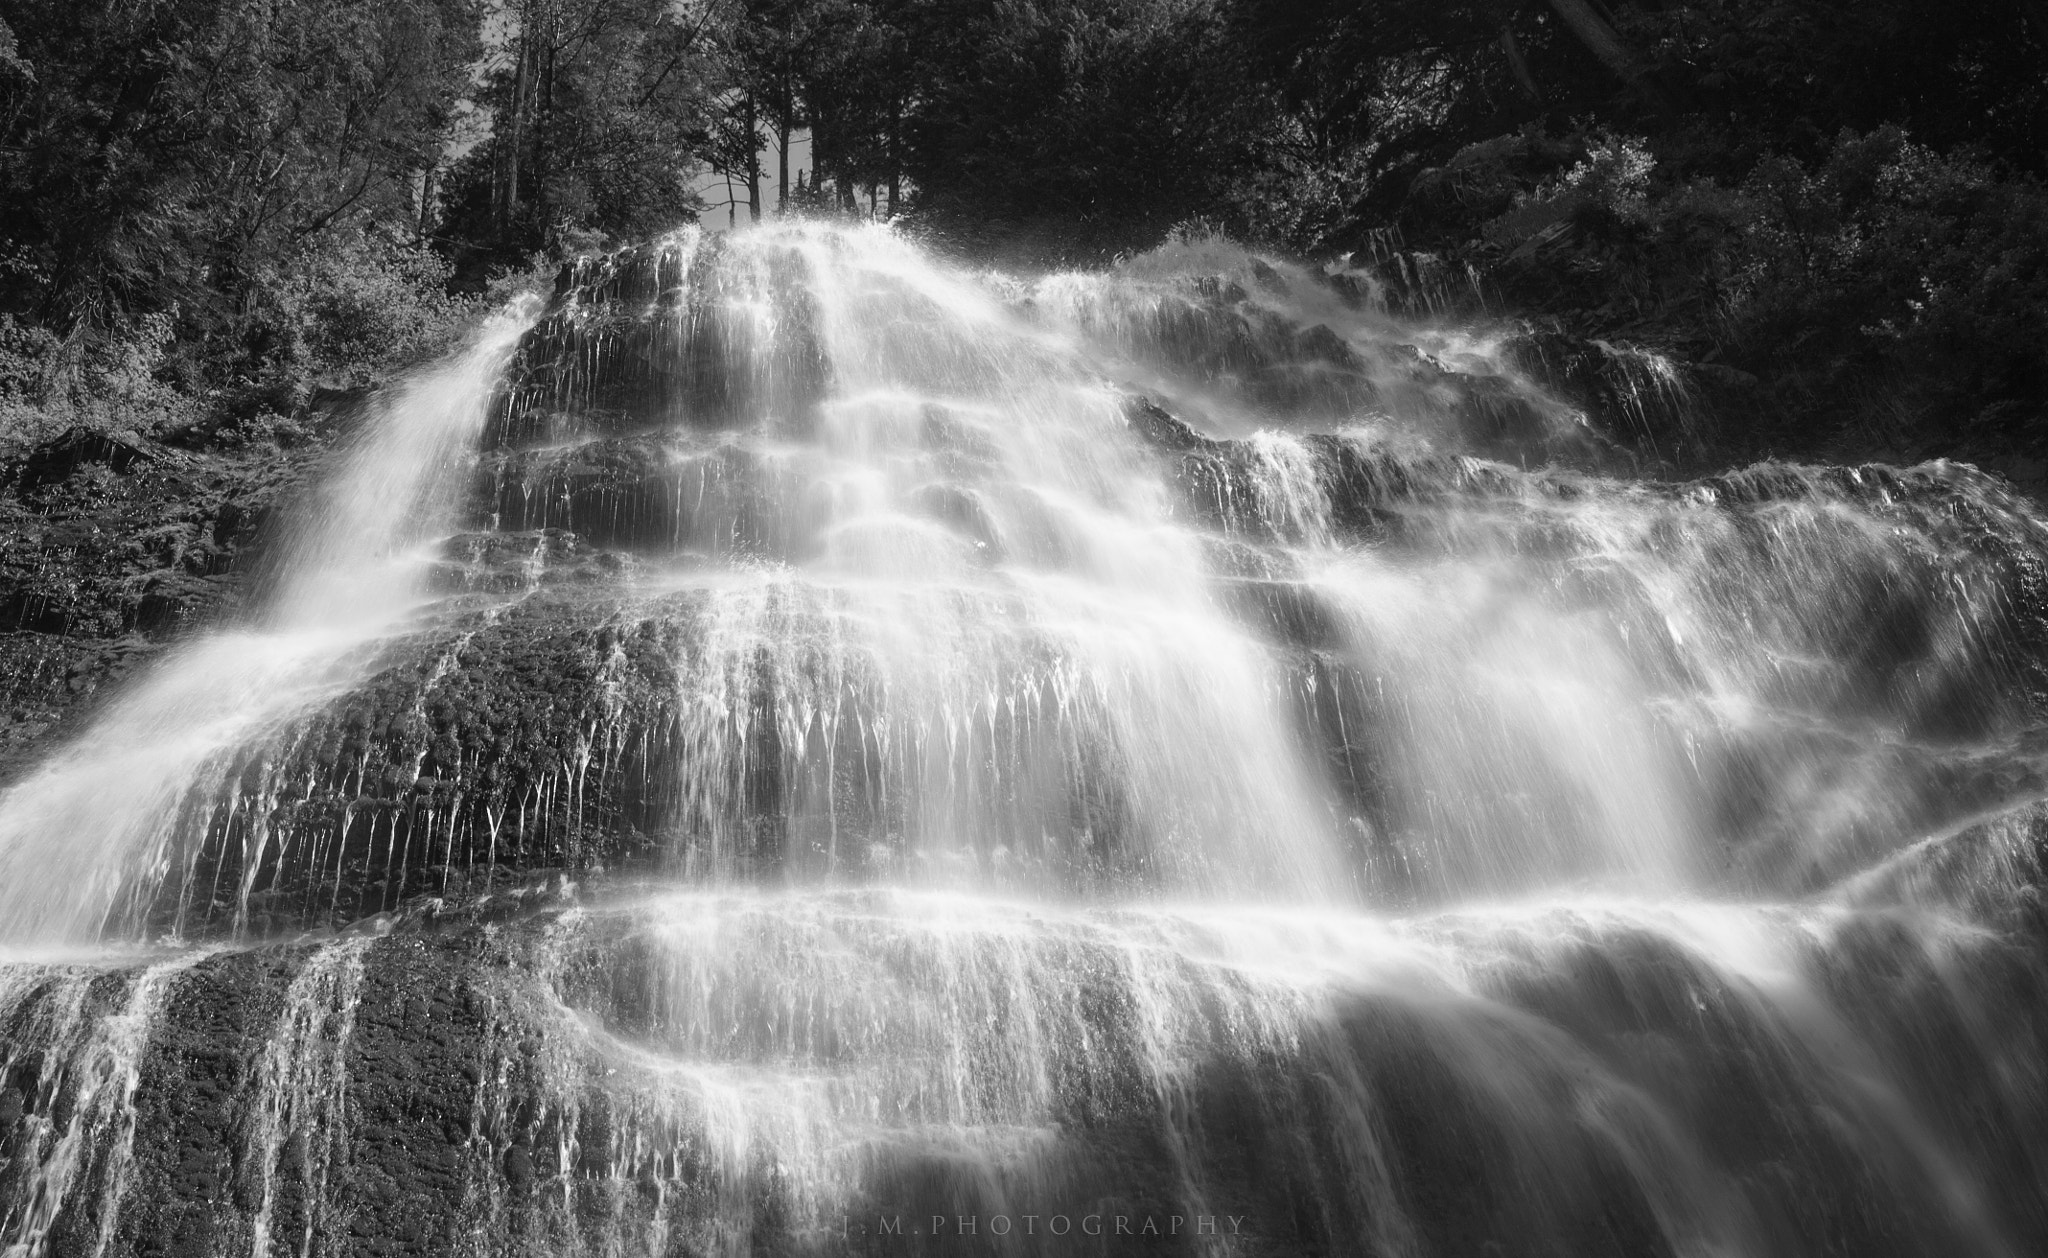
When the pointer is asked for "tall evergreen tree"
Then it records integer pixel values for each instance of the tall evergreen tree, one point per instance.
(598, 111)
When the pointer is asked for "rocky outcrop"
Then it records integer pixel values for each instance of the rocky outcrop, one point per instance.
(111, 546)
(530, 1075)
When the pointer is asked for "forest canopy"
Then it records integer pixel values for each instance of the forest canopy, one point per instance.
(228, 204)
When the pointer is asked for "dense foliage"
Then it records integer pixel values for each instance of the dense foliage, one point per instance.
(597, 113)
(172, 175)
(213, 207)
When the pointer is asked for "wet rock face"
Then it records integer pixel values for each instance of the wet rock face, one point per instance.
(656, 336)
(266, 1110)
(190, 1191)
(651, 493)
(1913, 597)
(111, 535)
(505, 1076)
(1636, 396)
(503, 742)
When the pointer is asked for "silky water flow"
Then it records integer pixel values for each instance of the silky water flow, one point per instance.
(797, 748)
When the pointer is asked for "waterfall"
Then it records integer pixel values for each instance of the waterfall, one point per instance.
(798, 747)
(116, 810)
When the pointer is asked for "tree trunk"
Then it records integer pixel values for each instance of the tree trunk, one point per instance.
(430, 191)
(895, 158)
(753, 164)
(543, 130)
(1519, 64)
(1600, 39)
(782, 161)
(507, 172)
(821, 154)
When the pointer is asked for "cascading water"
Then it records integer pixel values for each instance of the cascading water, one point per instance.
(830, 753)
(114, 815)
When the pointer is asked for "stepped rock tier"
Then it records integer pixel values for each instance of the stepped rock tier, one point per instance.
(790, 747)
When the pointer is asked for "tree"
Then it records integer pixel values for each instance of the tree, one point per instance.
(1090, 127)
(160, 155)
(769, 45)
(598, 114)
(1600, 39)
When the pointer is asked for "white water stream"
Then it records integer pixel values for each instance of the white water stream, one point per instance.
(1312, 819)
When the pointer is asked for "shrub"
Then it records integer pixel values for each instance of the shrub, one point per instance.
(372, 305)
(351, 310)
(1883, 286)
(1929, 271)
